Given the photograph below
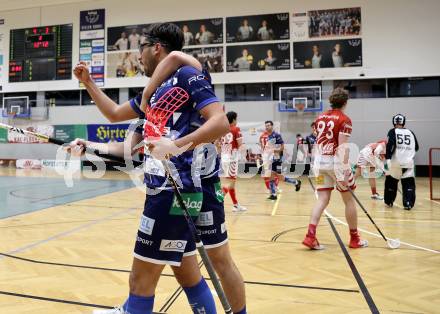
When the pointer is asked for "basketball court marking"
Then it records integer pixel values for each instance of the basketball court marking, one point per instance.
(275, 206)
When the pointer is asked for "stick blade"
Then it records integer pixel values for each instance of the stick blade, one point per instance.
(393, 243)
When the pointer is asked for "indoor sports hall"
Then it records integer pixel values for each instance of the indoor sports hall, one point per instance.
(185, 157)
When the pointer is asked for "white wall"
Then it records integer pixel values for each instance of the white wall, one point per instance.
(399, 36)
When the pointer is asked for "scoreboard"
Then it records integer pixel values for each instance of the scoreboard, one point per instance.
(40, 53)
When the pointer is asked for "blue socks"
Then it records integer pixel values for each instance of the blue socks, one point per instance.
(290, 180)
(272, 187)
(200, 298)
(138, 305)
(243, 311)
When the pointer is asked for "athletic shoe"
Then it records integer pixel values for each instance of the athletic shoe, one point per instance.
(272, 197)
(312, 243)
(298, 186)
(357, 243)
(238, 208)
(389, 205)
(407, 207)
(376, 196)
(116, 310)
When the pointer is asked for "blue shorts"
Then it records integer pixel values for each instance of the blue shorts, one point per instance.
(211, 221)
(276, 165)
(164, 236)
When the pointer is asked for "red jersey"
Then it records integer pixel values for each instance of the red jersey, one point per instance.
(263, 139)
(329, 125)
(229, 141)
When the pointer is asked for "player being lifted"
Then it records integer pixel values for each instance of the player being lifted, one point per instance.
(371, 157)
(231, 145)
(400, 152)
(331, 166)
(160, 62)
(273, 148)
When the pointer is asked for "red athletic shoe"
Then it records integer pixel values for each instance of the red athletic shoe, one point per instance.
(357, 243)
(312, 243)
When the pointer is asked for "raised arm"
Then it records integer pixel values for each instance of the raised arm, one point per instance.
(111, 110)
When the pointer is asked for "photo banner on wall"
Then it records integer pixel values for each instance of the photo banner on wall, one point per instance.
(123, 64)
(211, 58)
(335, 22)
(202, 32)
(2, 52)
(92, 43)
(127, 37)
(327, 54)
(258, 57)
(257, 27)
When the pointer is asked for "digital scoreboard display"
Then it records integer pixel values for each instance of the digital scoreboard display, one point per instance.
(41, 53)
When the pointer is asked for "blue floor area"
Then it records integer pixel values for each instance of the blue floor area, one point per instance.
(19, 195)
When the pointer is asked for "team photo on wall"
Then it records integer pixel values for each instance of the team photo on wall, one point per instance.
(327, 54)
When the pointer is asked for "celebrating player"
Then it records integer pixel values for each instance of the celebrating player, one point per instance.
(331, 165)
(231, 144)
(371, 157)
(273, 148)
(149, 259)
(400, 152)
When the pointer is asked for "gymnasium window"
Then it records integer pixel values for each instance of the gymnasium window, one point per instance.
(86, 100)
(248, 92)
(133, 92)
(62, 98)
(375, 88)
(414, 87)
(276, 87)
(32, 97)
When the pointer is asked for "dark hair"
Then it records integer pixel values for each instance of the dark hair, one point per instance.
(167, 34)
(312, 125)
(232, 115)
(338, 98)
(268, 121)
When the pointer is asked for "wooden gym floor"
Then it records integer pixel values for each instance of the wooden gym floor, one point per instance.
(73, 255)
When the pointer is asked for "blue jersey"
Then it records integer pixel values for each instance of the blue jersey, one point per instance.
(184, 121)
(275, 140)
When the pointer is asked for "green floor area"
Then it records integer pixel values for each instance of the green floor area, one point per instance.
(19, 195)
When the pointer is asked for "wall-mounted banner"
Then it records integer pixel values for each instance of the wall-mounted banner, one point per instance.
(2, 52)
(106, 133)
(300, 26)
(257, 27)
(210, 57)
(92, 43)
(258, 57)
(68, 133)
(335, 22)
(202, 32)
(123, 64)
(327, 54)
(126, 37)
(14, 137)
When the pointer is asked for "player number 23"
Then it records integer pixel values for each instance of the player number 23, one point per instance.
(321, 128)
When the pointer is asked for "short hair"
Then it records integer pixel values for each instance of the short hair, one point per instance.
(338, 98)
(169, 35)
(232, 115)
(268, 121)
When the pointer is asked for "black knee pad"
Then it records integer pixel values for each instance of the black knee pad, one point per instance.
(390, 192)
(408, 192)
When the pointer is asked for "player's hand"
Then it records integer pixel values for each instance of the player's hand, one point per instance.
(163, 148)
(77, 147)
(82, 73)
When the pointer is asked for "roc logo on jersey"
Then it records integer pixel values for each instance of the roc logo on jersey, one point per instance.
(192, 201)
